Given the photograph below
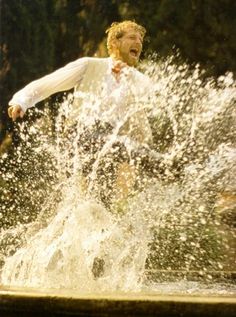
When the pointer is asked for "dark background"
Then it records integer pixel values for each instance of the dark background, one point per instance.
(39, 36)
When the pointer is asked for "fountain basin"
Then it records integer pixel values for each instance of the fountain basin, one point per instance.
(30, 302)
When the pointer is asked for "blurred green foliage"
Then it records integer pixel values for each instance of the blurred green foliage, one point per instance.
(41, 35)
(204, 31)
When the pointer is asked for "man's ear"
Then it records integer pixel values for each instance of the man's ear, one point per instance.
(115, 47)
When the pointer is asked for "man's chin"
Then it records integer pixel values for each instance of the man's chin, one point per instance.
(133, 61)
(130, 60)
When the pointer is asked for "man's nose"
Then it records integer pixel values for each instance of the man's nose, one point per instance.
(139, 41)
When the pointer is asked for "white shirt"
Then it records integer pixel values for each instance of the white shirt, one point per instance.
(68, 77)
(62, 79)
(111, 106)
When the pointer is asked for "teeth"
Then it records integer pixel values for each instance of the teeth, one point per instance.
(134, 51)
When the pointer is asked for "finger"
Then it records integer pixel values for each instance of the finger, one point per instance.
(15, 113)
(10, 112)
(22, 113)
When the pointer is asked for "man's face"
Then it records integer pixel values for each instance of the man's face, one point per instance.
(129, 47)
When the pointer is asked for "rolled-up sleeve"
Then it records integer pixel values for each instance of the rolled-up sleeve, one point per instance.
(62, 79)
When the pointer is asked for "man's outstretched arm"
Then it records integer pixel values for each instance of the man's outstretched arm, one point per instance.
(62, 79)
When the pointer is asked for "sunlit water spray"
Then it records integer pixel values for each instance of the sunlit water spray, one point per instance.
(86, 239)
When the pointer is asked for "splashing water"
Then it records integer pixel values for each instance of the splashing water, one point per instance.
(65, 231)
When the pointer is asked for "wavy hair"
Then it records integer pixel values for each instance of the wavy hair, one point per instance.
(117, 30)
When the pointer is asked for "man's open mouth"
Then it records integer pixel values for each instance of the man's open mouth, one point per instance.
(134, 52)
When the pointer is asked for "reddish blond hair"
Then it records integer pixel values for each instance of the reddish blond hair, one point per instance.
(118, 29)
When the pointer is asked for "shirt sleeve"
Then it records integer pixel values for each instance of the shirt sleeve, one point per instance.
(62, 79)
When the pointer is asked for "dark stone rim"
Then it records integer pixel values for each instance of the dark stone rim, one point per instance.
(18, 302)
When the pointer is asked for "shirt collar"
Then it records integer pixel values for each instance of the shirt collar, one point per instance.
(111, 63)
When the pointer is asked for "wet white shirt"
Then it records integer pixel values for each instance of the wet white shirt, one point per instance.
(68, 77)
(113, 105)
(62, 79)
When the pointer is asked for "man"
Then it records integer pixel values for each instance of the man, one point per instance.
(109, 94)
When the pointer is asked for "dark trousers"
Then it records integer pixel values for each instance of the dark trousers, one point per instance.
(90, 143)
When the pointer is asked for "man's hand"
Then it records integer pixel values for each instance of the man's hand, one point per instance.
(15, 112)
(117, 67)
